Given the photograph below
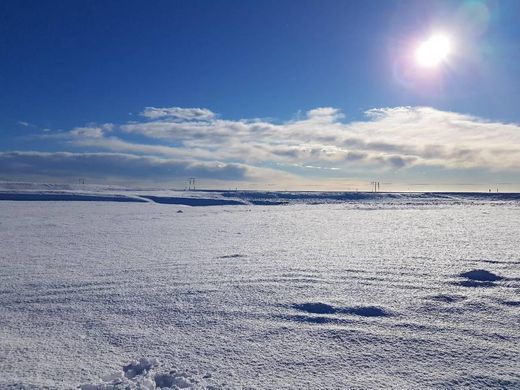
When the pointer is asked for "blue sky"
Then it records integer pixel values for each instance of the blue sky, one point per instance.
(260, 94)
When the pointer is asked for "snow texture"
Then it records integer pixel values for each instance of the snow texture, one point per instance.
(144, 374)
(368, 294)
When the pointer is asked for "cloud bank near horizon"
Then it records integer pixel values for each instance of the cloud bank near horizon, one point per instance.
(173, 143)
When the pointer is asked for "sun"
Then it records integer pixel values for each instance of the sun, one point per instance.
(433, 51)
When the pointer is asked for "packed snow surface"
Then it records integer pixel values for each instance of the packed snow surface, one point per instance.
(353, 295)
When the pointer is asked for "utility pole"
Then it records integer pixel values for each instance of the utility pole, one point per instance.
(191, 184)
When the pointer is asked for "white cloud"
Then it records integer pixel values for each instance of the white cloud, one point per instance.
(435, 137)
(391, 137)
(324, 114)
(87, 132)
(388, 140)
(178, 113)
(128, 168)
(119, 165)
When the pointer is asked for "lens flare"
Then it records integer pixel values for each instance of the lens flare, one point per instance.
(433, 51)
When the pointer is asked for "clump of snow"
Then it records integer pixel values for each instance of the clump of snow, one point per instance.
(173, 379)
(140, 367)
(141, 375)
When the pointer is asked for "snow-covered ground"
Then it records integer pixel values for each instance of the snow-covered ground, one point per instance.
(357, 295)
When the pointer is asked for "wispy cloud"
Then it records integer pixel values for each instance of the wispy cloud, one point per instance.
(178, 113)
(387, 140)
(118, 165)
(389, 137)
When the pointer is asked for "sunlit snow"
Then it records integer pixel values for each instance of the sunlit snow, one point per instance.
(327, 291)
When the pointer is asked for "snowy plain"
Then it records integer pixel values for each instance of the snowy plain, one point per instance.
(350, 294)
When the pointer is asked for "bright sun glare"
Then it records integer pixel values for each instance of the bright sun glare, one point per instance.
(433, 51)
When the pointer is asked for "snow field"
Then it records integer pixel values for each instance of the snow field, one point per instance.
(302, 296)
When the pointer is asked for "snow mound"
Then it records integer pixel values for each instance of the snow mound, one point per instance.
(324, 308)
(312, 319)
(140, 367)
(316, 308)
(479, 278)
(481, 275)
(367, 311)
(141, 375)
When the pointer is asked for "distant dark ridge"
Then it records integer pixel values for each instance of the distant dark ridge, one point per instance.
(282, 197)
(263, 202)
(67, 197)
(193, 201)
(296, 195)
(266, 198)
(504, 196)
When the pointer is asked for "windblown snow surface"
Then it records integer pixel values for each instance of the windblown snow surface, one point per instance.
(343, 295)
